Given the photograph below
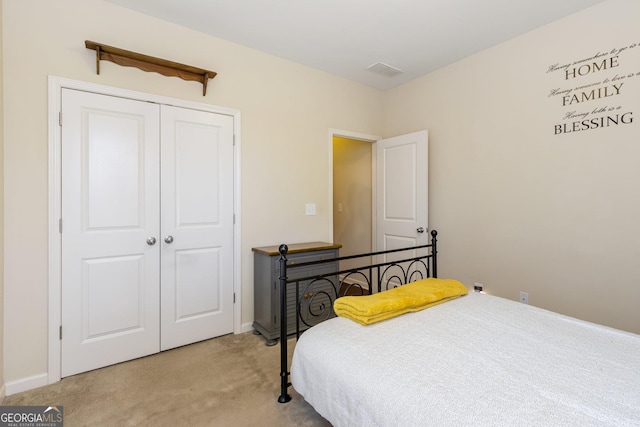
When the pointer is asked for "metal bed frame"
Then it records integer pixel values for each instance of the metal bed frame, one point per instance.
(315, 294)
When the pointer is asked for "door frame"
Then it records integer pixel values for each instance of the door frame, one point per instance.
(373, 139)
(55, 86)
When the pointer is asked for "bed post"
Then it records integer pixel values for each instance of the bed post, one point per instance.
(434, 252)
(284, 354)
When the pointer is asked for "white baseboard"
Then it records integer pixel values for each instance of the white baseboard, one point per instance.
(25, 384)
(246, 327)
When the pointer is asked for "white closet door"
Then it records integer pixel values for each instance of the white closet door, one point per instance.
(110, 201)
(197, 226)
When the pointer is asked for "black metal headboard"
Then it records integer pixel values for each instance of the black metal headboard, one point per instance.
(315, 294)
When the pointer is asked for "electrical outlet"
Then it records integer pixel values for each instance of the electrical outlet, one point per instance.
(524, 297)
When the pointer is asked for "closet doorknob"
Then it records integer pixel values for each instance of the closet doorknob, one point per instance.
(151, 241)
(420, 230)
(168, 239)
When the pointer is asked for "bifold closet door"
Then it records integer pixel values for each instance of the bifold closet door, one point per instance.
(110, 201)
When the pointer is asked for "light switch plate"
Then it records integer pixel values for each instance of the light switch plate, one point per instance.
(310, 208)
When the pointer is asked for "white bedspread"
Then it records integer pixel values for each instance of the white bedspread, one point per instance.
(475, 361)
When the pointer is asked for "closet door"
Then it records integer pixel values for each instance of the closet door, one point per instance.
(197, 226)
(147, 228)
(110, 202)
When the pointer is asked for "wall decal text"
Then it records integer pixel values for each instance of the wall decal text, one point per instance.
(591, 91)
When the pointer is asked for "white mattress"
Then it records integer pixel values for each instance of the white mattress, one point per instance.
(475, 361)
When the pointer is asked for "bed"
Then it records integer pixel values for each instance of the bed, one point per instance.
(474, 360)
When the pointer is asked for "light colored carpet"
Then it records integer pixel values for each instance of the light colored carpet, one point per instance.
(228, 381)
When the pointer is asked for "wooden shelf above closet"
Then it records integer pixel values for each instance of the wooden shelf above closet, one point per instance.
(149, 63)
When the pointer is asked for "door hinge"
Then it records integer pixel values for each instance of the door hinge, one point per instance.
(60, 118)
(234, 219)
(60, 332)
(234, 139)
(60, 225)
(234, 297)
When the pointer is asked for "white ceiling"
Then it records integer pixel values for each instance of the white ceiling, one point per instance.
(344, 37)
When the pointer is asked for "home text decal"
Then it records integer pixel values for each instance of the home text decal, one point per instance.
(591, 91)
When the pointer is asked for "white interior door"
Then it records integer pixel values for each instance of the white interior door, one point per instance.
(110, 199)
(402, 191)
(197, 226)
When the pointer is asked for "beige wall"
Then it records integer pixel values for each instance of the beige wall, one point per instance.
(352, 190)
(519, 208)
(286, 112)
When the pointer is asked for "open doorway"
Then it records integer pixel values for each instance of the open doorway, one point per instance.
(352, 194)
(379, 192)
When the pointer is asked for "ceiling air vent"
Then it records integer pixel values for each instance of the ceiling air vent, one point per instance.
(384, 69)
